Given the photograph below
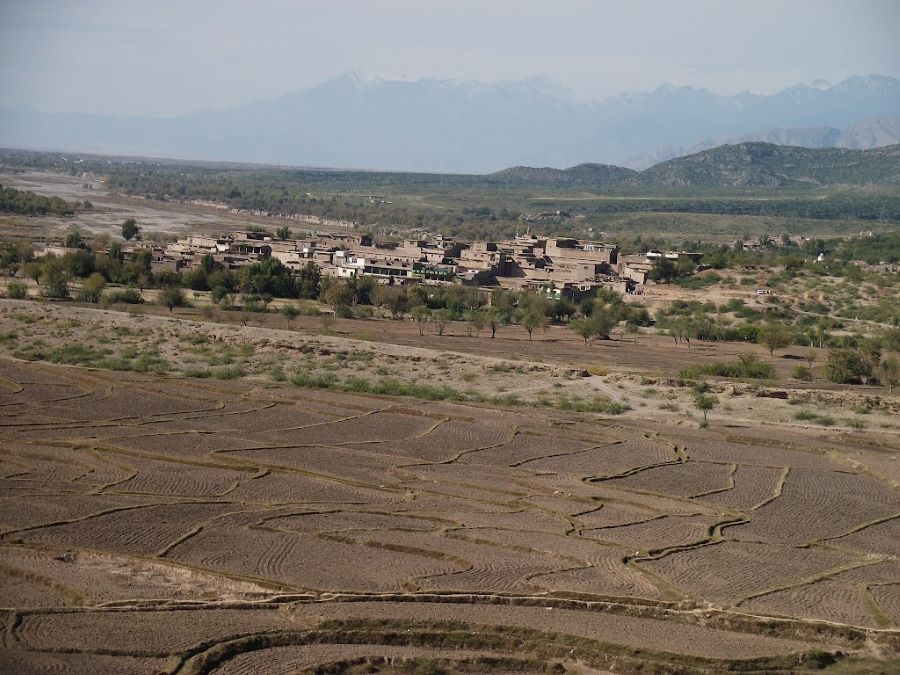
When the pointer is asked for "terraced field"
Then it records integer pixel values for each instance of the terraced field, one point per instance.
(159, 524)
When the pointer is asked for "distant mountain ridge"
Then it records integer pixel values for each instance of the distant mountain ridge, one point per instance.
(744, 165)
(872, 132)
(356, 121)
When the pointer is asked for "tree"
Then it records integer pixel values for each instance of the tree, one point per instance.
(92, 288)
(774, 336)
(870, 356)
(583, 328)
(890, 340)
(704, 403)
(283, 232)
(421, 314)
(532, 320)
(308, 281)
(846, 366)
(130, 229)
(172, 297)
(477, 320)
(663, 270)
(74, 239)
(563, 310)
(55, 279)
(268, 276)
(33, 270)
(492, 318)
(340, 296)
(290, 312)
(683, 328)
(889, 373)
(601, 322)
(440, 319)
(391, 298)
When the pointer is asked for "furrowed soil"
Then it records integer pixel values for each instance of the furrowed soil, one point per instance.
(154, 522)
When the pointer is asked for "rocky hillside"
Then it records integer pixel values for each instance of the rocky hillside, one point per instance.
(768, 165)
(750, 165)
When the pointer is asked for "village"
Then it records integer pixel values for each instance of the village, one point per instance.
(563, 268)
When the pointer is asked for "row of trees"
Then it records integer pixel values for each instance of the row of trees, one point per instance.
(32, 204)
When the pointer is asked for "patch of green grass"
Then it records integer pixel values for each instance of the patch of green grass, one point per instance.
(76, 353)
(747, 367)
(598, 404)
(815, 418)
(389, 387)
(232, 373)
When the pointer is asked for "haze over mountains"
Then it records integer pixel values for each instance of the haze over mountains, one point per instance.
(463, 126)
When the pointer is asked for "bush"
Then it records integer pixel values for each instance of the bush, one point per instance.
(802, 373)
(598, 370)
(598, 404)
(233, 373)
(847, 366)
(127, 296)
(806, 415)
(172, 297)
(16, 290)
(747, 367)
(92, 288)
(75, 353)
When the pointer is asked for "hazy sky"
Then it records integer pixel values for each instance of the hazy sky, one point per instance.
(165, 57)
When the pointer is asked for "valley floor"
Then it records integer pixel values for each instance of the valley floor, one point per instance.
(157, 522)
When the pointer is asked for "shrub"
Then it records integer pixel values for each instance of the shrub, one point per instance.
(748, 366)
(598, 370)
(802, 373)
(599, 404)
(233, 373)
(806, 415)
(172, 297)
(75, 353)
(92, 288)
(846, 366)
(16, 290)
(127, 296)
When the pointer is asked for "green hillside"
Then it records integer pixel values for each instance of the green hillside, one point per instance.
(764, 165)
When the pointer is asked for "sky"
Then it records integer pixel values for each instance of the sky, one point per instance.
(169, 57)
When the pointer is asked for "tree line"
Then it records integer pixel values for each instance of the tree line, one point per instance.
(28, 203)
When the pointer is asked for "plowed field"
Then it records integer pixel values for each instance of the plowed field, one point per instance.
(159, 524)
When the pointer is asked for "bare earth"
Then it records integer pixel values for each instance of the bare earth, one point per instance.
(158, 523)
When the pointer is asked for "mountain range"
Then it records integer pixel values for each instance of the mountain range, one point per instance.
(744, 165)
(357, 121)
